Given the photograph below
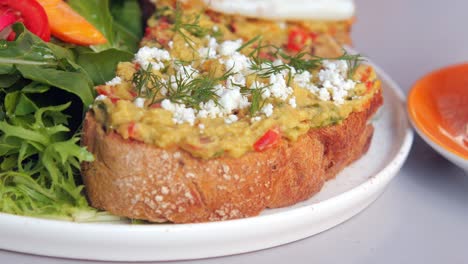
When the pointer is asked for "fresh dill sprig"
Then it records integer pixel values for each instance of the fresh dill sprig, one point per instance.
(248, 43)
(301, 61)
(256, 99)
(192, 90)
(193, 27)
(147, 83)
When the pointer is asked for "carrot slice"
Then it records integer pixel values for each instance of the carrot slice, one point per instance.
(67, 25)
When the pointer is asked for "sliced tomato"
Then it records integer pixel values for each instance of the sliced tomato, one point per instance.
(29, 12)
(268, 140)
(67, 25)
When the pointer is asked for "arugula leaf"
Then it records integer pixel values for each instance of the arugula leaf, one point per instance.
(101, 66)
(129, 30)
(73, 82)
(27, 49)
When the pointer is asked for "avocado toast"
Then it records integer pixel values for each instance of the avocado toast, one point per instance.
(206, 125)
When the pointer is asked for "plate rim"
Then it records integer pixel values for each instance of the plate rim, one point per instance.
(381, 179)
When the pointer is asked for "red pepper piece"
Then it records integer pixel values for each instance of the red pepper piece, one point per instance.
(369, 85)
(132, 130)
(270, 139)
(297, 39)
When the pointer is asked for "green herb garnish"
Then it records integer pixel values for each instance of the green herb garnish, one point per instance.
(188, 29)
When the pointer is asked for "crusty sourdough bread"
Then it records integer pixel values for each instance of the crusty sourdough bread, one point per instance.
(137, 180)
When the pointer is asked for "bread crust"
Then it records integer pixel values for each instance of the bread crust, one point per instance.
(141, 181)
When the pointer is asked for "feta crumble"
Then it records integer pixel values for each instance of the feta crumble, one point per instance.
(154, 56)
(229, 47)
(267, 109)
(139, 102)
(115, 81)
(100, 97)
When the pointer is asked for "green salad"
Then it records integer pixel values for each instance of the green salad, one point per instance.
(45, 88)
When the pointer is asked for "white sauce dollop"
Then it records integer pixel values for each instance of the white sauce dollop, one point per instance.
(286, 9)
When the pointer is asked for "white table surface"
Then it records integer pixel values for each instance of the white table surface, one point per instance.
(423, 215)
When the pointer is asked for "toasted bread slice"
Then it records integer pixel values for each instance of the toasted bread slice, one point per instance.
(137, 180)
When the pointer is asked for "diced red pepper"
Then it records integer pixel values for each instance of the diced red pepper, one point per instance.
(131, 130)
(369, 85)
(297, 39)
(133, 93)
(266, 55)
(147, 31)
(213, 16)
(366, 74)
(156, 105)
(137, 66)
(163, 23)
(313, 35)
(233, 27)
(270, 139)
(102, 91)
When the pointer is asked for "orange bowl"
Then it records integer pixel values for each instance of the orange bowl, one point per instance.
(438, 109)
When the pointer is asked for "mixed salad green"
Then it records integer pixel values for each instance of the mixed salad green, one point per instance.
(45, 88)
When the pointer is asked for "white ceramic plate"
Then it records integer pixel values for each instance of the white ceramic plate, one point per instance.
(340, 199)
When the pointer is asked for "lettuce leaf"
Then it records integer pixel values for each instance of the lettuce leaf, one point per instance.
(43, 93)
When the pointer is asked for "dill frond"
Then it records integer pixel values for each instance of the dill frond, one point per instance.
(188, 30)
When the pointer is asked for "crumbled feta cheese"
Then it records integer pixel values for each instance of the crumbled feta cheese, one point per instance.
(237, 62)
(233, 99)
(209, 52)
(171, 44)
(215, 28)
(235, 80)
(181, 114)
(154, 56)
(267, 109)
(292, 102)
(255, 119)
(324, 95)
(303, 79)
(184, 73)
(333, 78)
(209, 110)
(100, 97)
(115, 81)
(201, 126)
(231, 119)
(229, 47)
(278, 87)
(139, 102)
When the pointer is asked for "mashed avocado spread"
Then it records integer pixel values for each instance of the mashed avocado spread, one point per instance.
(212, 93)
